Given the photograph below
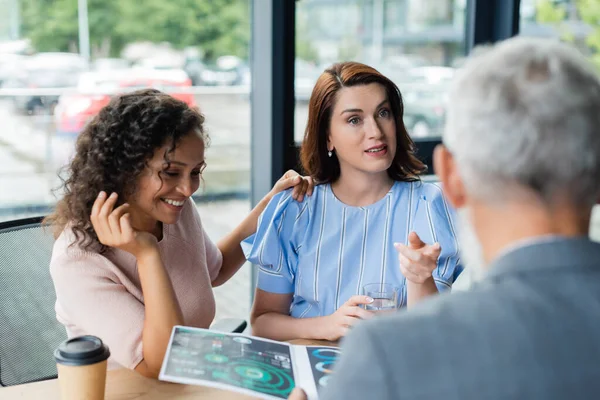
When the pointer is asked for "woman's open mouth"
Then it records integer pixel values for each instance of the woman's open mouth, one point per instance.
(377, 151)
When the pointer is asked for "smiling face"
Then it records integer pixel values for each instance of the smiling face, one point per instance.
(163, 187)
(363, 130)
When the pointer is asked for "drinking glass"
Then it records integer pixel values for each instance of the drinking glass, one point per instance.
(384, 295)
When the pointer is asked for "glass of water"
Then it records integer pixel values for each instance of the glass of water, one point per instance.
(384, 295)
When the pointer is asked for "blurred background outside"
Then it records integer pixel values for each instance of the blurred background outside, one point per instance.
(61, 61)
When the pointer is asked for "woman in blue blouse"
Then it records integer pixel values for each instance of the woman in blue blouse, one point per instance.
(370, 219)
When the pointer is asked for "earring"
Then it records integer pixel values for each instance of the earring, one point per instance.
(329, 153)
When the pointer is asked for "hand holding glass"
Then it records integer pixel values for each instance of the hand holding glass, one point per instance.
(384, 295)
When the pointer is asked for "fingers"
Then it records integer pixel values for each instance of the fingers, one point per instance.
(300, 189)
(114, 219)
(290, 173)
(98, 203)
(100, 211)
(127, 231)
(357, 312)
(304, 187)
(358, 300)
(106, 219)
(414, 241)
(413, 272)
(343, 330)
(311, 185)
(423, 254)
(288, 183)
(297, 394)
(411, 254)
(433, 251)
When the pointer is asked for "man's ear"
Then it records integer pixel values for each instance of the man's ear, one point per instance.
(445, 167)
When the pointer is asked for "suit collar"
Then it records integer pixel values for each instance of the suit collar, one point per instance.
(545, 255)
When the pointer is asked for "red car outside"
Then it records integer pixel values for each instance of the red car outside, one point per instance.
(95, 90)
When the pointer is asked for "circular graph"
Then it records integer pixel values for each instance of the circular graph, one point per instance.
(253, 373)
(326, 354)
(259, 376)
(324, 379)
(322, 366)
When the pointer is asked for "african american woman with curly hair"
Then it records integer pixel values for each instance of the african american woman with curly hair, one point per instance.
(132, 259)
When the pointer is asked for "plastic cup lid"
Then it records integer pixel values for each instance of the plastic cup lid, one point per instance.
(81, 350)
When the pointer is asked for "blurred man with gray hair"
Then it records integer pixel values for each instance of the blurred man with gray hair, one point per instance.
(521, 163)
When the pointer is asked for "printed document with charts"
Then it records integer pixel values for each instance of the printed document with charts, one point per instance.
(246, 364)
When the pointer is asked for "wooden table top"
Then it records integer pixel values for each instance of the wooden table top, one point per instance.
(125, 384)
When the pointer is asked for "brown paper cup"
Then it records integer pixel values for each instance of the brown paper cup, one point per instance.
(81, 362)
(85, 382)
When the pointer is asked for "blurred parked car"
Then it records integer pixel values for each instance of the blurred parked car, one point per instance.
(397, 67)
(431, 75)
(425, 110)
(44, 71)
(105, 64)
(95, 90)
(10, 66)
(226, 71)
(159, 61)
(424, 90)
(194, 67)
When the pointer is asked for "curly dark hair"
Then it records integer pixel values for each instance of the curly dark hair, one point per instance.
(112, 152)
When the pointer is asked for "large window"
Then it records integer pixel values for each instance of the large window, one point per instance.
(416, 43)
(60, 64)
(573, 21)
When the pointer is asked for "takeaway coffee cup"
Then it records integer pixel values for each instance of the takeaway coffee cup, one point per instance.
(81, 363)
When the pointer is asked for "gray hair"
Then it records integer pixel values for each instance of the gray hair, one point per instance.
(526, 114)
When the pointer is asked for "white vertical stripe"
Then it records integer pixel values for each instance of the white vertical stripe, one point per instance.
(318, 250)
(432, 231)
(340, 260)
(363, 252)
(299, 269)
(281, 257)
(431, 223)
(305, 311)
(299, 274)
(386, 237)
(302, 210)
(410, 212)
(402, 296)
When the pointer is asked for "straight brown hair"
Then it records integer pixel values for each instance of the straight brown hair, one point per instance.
(313, 153)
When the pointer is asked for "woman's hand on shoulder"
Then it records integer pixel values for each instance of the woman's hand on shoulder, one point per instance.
(303, 185)
(113, 227)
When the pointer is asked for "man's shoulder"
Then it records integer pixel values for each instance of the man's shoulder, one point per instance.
(445, 326)
(454, 310)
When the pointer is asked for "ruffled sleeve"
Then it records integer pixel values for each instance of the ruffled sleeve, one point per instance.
(274, 246)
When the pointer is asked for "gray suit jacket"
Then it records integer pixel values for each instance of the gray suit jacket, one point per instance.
(529, 330)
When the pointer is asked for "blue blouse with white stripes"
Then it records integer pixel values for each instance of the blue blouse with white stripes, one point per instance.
(325, 251)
